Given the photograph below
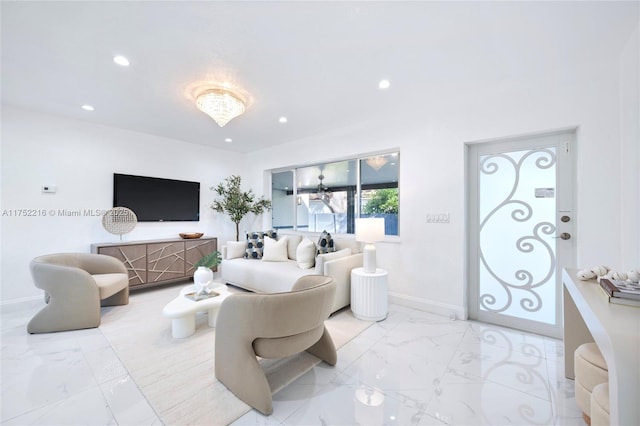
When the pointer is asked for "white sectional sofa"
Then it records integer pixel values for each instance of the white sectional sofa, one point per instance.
(275, 276)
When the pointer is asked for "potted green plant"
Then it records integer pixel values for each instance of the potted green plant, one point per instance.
(237, 203)
(209, 261)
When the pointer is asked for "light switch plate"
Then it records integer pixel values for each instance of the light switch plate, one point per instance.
(438, 217)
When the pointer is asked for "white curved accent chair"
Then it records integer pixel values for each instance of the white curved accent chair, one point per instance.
(75, 286)
(276, 325)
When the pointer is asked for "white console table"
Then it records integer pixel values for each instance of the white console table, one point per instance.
(369, 294)
(589, 317)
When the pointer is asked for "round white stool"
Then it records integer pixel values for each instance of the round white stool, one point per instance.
(591, 370)
(600, 405)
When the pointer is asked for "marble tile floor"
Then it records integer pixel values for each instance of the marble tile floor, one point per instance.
(414, 368)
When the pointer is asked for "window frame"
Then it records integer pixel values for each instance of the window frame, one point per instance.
(357, 195)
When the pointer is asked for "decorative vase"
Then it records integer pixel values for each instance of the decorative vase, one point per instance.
(201, 278)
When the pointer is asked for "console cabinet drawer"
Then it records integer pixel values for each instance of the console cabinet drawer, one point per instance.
(158, 262)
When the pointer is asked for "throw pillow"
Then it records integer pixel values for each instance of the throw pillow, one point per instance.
(322, 258)
(275, 251)
(236, 249)
(292, 245)
(305, 254)
(325, 243)
(255, 243)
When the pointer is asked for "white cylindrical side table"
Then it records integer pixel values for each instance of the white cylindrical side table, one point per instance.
(369, 294)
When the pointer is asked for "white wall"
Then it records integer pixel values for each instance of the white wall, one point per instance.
(630, 151)
(80, 158)
(427, 263)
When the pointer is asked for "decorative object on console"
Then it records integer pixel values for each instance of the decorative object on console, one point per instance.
(191, 236)
(621, 292)
(602, 271)
(595, 272)
(325, 243)
(369, 230)
(236, 203)
(619, 287)
(119, 221)
(222, 105)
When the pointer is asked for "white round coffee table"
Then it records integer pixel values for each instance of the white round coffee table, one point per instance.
(182, 310)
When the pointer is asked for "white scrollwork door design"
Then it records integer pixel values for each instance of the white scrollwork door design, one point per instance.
(516, 220)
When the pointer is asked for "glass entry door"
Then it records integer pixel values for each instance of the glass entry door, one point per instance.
(521, 231)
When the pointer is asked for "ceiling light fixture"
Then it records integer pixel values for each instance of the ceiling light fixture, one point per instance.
(384, 84)
(283, 120)
(220, 104)
(321, 187)
(377, 162)
(121, 60)
(87, 107)
(228, 140)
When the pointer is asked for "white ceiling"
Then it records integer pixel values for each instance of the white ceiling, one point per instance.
(317, 63)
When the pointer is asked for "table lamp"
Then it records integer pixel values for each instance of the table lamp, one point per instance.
(369, 230)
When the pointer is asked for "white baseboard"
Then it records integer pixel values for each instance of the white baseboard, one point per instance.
(430, 306)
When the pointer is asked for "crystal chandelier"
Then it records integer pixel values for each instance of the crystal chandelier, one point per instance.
(221, 105)
(377, 162)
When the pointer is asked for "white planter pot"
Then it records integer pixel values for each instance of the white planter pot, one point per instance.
(202, 277)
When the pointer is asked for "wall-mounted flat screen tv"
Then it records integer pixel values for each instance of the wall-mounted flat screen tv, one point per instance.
(157, 200)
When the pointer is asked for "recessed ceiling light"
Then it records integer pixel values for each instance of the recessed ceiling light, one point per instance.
(87, 107)
(121, 60)
(228, 140)
(384, 84)
(282, 119)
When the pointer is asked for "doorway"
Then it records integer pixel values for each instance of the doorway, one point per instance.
(521, 230)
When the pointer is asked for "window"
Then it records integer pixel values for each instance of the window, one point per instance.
(330, 196)
(282, 216)
(326, 193)
(379, 189)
